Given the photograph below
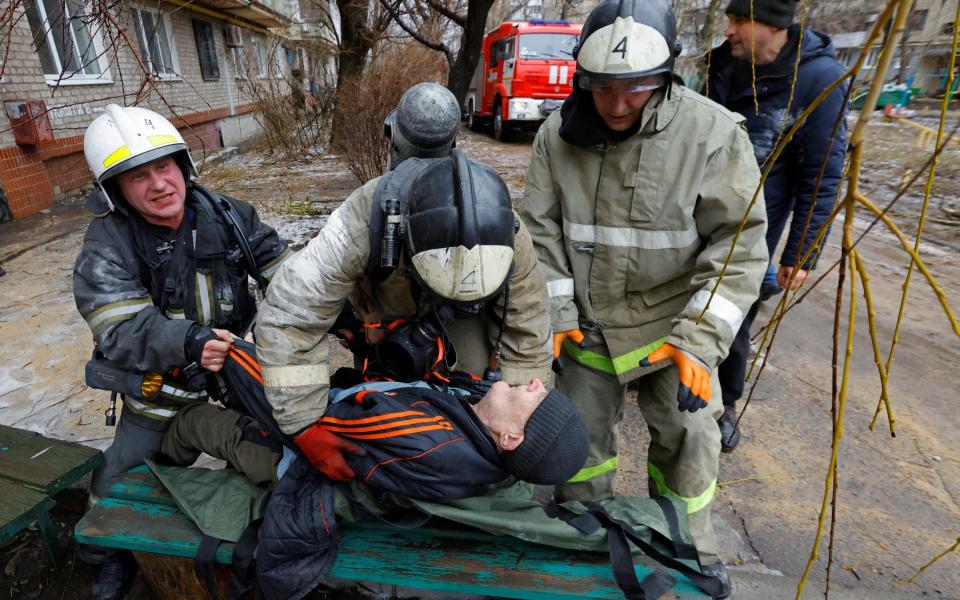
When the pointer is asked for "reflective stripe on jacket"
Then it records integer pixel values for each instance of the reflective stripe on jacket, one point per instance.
(632, 236)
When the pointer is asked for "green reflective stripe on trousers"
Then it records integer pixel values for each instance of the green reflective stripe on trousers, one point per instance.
(693, 504)
(588, 473)
(615, 366)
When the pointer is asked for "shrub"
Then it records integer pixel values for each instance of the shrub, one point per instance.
(364, 101)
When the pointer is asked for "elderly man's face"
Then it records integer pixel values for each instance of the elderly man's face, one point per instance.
(156, 190)
(505, 411)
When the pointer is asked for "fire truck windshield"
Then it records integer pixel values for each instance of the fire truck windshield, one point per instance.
(547, 46)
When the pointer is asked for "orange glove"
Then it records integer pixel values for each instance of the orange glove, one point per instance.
(325, 451)
(575, 336)
(694, 391)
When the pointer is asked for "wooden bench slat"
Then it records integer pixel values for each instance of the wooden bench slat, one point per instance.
(143, 527)
(43, 463)
(450, 561)
(141, 485)
(19, 507)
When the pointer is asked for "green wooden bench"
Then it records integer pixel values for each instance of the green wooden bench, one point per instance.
(33, 469)
(141, 516)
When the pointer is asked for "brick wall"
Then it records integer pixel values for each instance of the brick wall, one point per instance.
(33, 176)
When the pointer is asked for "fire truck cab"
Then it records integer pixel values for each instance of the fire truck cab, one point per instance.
(524, 74)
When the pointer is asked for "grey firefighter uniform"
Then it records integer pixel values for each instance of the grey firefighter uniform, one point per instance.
(120, 295)
(308, 292)
(632, 237)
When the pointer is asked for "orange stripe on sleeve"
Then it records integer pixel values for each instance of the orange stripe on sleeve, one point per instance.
(379, 426)
(253, 373)
(241, 355)
(397, 433)
(374, 419)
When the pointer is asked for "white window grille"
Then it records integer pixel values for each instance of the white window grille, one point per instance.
(239, 62)
(259, 56)
(67, 39)
(156, 43)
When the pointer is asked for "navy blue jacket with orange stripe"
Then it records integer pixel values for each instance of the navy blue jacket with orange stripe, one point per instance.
(420, 441)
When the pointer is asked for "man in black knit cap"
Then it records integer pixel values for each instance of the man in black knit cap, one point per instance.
(757, 72)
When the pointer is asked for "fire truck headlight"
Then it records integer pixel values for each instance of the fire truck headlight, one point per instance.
(523, 108)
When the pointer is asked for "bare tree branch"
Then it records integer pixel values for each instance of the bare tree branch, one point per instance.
(438, 46)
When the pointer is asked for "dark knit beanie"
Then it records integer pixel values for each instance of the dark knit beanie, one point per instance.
(555, 443)
(778, 13)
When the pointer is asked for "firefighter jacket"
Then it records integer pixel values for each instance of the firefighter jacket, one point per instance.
(141, 287)
(632, 235)
(310, 289)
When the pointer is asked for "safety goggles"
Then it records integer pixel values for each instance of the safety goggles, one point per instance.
(629, 85)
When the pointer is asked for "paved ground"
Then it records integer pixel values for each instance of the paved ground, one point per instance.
(899, 498)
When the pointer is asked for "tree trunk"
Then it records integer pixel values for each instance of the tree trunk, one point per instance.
(356, 40)
(471, 44)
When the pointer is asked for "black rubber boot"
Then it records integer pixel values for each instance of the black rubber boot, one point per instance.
(729, 432)
(718, 571)
(115, 577)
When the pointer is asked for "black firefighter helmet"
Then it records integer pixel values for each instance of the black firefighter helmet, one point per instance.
(460, 230)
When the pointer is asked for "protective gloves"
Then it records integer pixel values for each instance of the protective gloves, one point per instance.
(574, 335)
(325, 451)
(197, 336)
(694, 391)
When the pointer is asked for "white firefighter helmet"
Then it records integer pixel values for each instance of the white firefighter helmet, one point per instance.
(123, 138)
(632, 40)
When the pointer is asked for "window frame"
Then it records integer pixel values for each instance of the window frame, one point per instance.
(239, 59)
(258, 46)
(175, 75)
(198, 29)
(62, 77)
(279, 61)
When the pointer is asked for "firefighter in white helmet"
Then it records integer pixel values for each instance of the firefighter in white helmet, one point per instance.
(162, 281)
(636, 190)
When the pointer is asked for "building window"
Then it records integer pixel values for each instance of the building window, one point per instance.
(63, 39)
(259, 56)
(278, 61)
(156, 45)
(947, 28)
(206, 50)
(239, 62)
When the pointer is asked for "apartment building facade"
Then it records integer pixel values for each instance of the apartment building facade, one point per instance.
(192, 61)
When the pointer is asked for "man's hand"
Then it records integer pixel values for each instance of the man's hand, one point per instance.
(324, 450)
(694, 391)
(784, 273)
(574, 335)
(215, 352)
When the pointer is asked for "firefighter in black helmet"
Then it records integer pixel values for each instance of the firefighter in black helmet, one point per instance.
(433, 236)
(423, 125)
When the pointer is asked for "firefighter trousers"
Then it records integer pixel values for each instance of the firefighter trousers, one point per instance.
(684, 454)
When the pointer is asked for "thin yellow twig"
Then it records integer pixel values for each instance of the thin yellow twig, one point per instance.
(874, 339)
(932, 561)
(941, 296)
(923, 215)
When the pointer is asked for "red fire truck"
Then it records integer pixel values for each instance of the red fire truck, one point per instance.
(524, 74)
